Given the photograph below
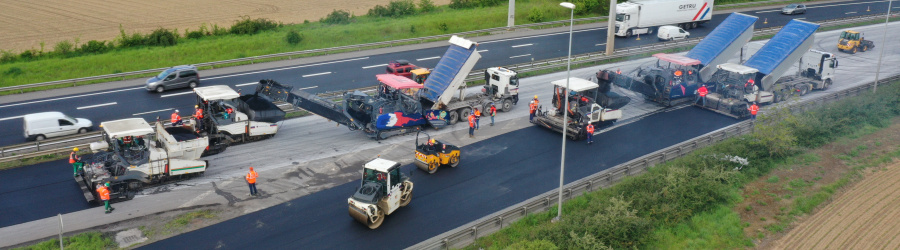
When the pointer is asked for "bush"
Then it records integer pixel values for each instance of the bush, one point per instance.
(584, 7)
(7, 56)
(13, 71)
(247, 26)
(193, 34)
(94, 46)
(379, 11)
(443, 27)
(162, 37)
(402, 8)
(126, 41)
(218, 31)
(536, 15)
(28, 54)
(293, 37)
(63, 47)
(533, 245)
(426, 6)
(337, 17)
(462, 4)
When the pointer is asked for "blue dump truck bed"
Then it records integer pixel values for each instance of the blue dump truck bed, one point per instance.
(784, 48)
(446, 70)
(723, 42)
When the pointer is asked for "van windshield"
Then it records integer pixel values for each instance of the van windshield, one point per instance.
(165, 73)
(71, 118)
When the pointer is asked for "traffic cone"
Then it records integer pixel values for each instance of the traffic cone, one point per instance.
(766, 21)
(639, 37)
(868, 9)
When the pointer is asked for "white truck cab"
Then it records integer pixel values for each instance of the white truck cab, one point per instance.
(44, 125)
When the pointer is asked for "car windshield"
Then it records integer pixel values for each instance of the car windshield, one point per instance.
(620, 17)
(72, 118)
(791, 6)
(165, 73)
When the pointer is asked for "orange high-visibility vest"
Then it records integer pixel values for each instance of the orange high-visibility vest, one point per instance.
(73, 157)
(753, 109)
(472, 121)
(477, 113)
(532, 107)
(493, 110)
(702, 91)
(251, 177)
(103, 192)
(199, 114)
(590, 128)
(175, 117)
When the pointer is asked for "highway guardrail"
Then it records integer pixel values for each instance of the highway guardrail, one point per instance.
(467, 234)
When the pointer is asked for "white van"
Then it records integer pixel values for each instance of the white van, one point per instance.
(669, 33)
(41, 126)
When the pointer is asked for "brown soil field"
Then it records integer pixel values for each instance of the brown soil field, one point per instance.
(25, 24)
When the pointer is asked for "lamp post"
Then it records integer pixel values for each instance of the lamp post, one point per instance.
(562, 161)
(887, 18)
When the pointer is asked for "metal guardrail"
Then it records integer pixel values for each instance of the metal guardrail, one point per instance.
(25, 150)
(468, 233)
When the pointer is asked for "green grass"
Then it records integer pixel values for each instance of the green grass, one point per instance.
(183, 220)
(719, 228)
(34, 160)
(89, 240)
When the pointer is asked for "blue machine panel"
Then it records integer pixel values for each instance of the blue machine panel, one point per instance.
(780, 47)
(447, 68)
(721, 37)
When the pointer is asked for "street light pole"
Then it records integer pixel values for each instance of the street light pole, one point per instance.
(887, 19)
(562, 161)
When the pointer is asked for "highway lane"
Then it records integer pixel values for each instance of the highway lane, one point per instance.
(359, 72)
(493, 175)
(38, 191)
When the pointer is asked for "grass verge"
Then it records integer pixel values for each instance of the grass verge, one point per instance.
(88, 240)
(177, 224)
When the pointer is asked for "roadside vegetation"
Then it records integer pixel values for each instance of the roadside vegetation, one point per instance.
(692, 202)
(178, 224)
(89, 240)
(246, 37)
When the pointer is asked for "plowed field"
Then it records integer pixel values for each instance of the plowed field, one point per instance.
(867, 216)
(25, 24)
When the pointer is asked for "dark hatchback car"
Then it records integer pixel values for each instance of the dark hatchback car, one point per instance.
(174, 77)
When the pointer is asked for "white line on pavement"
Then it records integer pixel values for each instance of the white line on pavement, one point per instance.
(10, 118)
(852, 12)
(245, 84)
(600, 44)
(295, 67)
(522, 45)
(428, 58)
(800, 18)
(308, 87)
(520, 56)
(68, 97)
(182, 93)
(482, 51)
(375, 66)
(98, 105)
(317, 74)
(148, 112)
(822, 6)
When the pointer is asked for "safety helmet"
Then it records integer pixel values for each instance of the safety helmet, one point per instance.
(535, 96)
(251, 168)
(432, 141)
(75, 149)
(176, 111)
(678, 73)
(196, 106)
(106, 184)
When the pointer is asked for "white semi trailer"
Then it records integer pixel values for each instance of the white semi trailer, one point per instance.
(637, 17)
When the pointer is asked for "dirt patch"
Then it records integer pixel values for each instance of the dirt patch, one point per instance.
(28, 23)
(769, 202)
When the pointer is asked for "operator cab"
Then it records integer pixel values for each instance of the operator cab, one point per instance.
(400, 68)
(377, 176)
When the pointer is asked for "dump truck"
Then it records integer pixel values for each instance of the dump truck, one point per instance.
(433, 153)
(815, 72)
(230, 117)
(736, 86)
(133, 154)
(637, 17)
(589, 102)
(382, 190)
(675, 78)
(854, 41)
(400, 105)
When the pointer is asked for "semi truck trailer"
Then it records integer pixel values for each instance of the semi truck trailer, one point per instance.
(637, 17)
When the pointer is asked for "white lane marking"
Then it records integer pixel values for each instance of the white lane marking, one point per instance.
(10, 118)
(317, 74)
(822, 6)
(482, 51)
(148, 112)
(98, 105)
(295, 67)
(308, 87)
(520, 56)
(245, 84)
(428, 58)
(852, 12)
(522, 45)
(551, 34)
(68, 97)
(375, 66)
(800, 18)
(182, 93)
(600, 44)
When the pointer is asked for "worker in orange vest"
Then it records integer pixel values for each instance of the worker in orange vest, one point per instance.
(75, 160)
(176, 119)
(103, 191)
(590, 133)
(477, 118)
(251, 181)
(198, 115)
(531, 108)
(492, 112)
(701, 94)
(753, 109)
(471, 125)
(536, 102)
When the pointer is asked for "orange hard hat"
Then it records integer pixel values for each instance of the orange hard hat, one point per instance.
(678, 73)
(251, 168)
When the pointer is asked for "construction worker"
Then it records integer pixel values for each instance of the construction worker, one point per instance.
(492, 112)
(251, 181)
(619, 71)
(176, 119)
(701, 94)
(753, 109)
(75, 160)
(431, 145)
(471, 125)
(590, 133)
(531, 108)
(198, 115)
(477, 114)
(536, 102)
(103, 191)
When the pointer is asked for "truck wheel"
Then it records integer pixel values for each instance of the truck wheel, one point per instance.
(406, 194)
(376, 220)
(40, 138)
(827, 84)
(854, 50)
(628, 34)
(804, 90)
(507, 105)
(454, 161)
(454, 117)
(865, 48)
(464, 113)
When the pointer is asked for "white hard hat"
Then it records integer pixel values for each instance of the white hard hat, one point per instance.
(176, 111)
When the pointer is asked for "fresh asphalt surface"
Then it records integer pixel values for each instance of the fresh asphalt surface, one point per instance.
(493, 175)
(359, 72)
(39, 191)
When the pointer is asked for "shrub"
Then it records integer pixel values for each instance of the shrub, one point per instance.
(426, 6)
(247, 26)
(126, 41)
(584, 7)
(218, 31)
(443, 27)
(462, 4)
(293, 37)
(193, 34)
(337, 17)
(379, 11)
(7, 56)
(536, 15)
(63, 47)
(533, 245)
(13, 71)
(412, 29)
(162, 37)
(94, 46)
(28, 54)
(402, 8)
